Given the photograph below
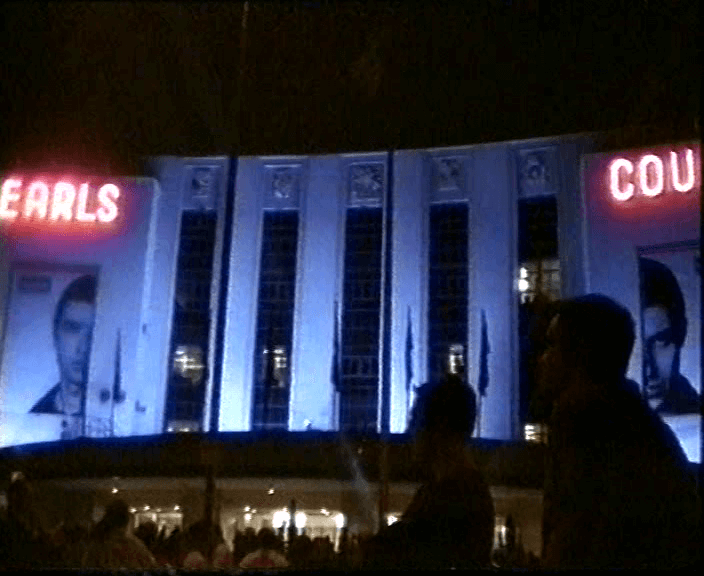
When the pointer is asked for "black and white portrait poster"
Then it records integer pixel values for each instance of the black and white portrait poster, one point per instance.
(641, 230)
(670, 307)
(46, 352)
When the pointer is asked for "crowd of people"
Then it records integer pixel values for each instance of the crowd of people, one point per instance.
(619, 491)
(111, 544)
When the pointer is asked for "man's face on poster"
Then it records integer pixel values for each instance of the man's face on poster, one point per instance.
(72, 339)
(660, 354)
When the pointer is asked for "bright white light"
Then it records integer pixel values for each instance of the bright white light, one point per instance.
(107, 195)
(114, 490)
(301, 519)
(523, 272)
(621, 194)
(246, 508)
(37, 199)
(62, 201)
(324, 511)
(7, 197)
(254, 510)
(523, 285)
(280, 518)
(676, 184)
(145, 508)
(177, 507)
(271, 490)
(340, 520)
(133, 510)
(391, 519)
(247, 517)
(657, 187)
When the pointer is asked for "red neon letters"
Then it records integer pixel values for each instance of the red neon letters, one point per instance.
(651, 175)
(62, 202)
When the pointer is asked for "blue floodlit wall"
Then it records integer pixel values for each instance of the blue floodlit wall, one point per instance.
(489, 178)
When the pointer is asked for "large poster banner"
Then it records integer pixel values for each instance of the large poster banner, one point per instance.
(46, 351)
(642, 246)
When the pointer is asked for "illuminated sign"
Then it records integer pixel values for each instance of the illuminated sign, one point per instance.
(60, 201)
(651, 174)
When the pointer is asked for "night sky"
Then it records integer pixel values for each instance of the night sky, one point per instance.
(104, 84)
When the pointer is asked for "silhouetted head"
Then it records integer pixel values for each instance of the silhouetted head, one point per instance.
(116, 518)
(590, 336)
(267, 539)
(21, 506)
(664, 329)
(444, 411)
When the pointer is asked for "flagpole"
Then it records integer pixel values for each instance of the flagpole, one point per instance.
(115, 384)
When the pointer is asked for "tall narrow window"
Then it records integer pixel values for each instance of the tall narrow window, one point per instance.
(185, 397)
(274, 337)
(359, 396)
(448, 286)
(538, 282)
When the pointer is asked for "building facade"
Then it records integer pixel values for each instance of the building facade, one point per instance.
(309, 295)
(311, 292)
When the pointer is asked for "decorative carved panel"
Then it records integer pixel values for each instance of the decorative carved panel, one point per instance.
(537, 172)
(366, 183)
(283, 186)
(448, 173)
(202, 188)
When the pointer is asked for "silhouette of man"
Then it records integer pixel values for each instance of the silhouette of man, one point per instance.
(619, 491)
(664, 332)
(73, 331)
(450, 521)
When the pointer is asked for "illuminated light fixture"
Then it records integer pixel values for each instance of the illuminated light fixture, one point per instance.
(620, 194)
(254, 510)
(340, 520)
(301, 519)
(674, 165)
(246, 508)
(271, 490)
(324, 511)
(247, 517)
(133, 510)
(645, 161)
(177, 507)
(280, 518)
(145, 508)
(115, 490)
(391, 519)
(523, 272)
(523, 285)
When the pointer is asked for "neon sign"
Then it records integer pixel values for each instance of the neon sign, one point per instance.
(652, 174)
(62, 201)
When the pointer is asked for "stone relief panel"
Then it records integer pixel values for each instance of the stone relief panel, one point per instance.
(283, 186)
(366, 183)
(448, 173)
(537, 172)
(202, 187)
(447, 178)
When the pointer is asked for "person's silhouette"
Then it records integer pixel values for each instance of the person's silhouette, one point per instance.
(450, 521)
(619, 490)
